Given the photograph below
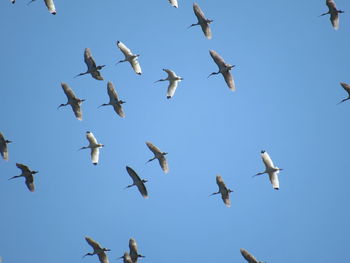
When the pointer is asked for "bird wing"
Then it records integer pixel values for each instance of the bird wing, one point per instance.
(89, 61)
(217, 58)
(113, 96)
(3, 147)
(136, 66)
(132, 246)
(206, 30)
(96, 75)
(170, 73)
(335, 20)
(331, 5)
(171, 88)
(119, 110)
(50, 6)
(225, 195)
(267, 160)
(164, 164)
(30, 182)
(142, 188)
(226, 198)
(91, 138)
(249, 257)
(229, 80)
(174, 3)
(95, 153)
(77, 110)
(68, 91)
(133, 175)
(153, 148)
(346, 87)
(126, 51)
(95, 245)
(274, 180)
(103, 257)
(199, 13)
(23, 168)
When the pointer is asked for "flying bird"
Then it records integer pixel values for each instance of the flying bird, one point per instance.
(98, 250)
(158, 154)
(126, 258)
(173, 80)
(224, 69)
(114, 100)
(137, 181)
(334, 12)
(174, 3)
(49, 4)
(94, 146)
(28, 174)
(3, 147)
(13, 1)
(73, 101)
(223, 190)
(134, 255)
(249, 257)
(91, 66)
(270, 169)
(202, 21)
(130, 57)
(346, 87)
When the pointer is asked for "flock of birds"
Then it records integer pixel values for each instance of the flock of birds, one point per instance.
(94, 146)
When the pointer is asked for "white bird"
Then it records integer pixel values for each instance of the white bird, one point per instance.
(270, 169)
(158, 154)
(28, 174)
(174, 3)
(137, 181)
(334, 12)
(202, 21)
(126, 258)
(91, 66)
(13, 1)
(130, 57)
(249, 257)
(224, 69)
(49, 4)
(73, 101)
(3, 147)
(346, 87)
(98, 250)
(94, 146)
(114, 100)
(173, 80)
(134, 255)
(223, 190)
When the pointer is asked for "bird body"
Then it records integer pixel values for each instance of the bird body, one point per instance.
(346, 87)
(224, 69)
(130, 57)
(202, 21)
(334, 13)
(3, 147)
(98, 250)
(49, 4)
(134, 255)
(28, 174)
(223, 190)
(114, 100)
(127, 258)
(73, 101)
(137, 181)
(94, 146)
(174, 3)
(270, 169)
(91, 66)
(249, 257)
(158, 154)
(173, 80)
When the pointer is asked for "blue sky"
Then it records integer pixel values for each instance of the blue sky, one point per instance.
(289, 63)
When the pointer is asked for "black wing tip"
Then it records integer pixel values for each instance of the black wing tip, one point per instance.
(168, 97)
(263, 151)
(276, 188)
(54, 13)
(94, 163)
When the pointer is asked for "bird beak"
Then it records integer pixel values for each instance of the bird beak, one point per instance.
(60, 106)
(210, 75)
(157, 81)
(12, 177)
(100, 106)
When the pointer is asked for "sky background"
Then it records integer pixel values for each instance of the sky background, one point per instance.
(289, 63)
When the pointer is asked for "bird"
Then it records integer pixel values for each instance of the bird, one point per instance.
(13, 1)
(91, 66)
(3, 147)
(134, 255)
(202, 21)
(270, 169)
(114, 100)
(98, 250)
(224, 69)
(49, 4)
(346, 87)
(94, 146)
(130, 57)
(126, 258)
(158, 154)
(249, 257)
(73, 101)
(334, 12)
(173, 80)
(174, 3)
(223, 190)
(137, 181)
(28, 174)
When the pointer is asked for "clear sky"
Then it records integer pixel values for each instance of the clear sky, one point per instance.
(289, 62)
